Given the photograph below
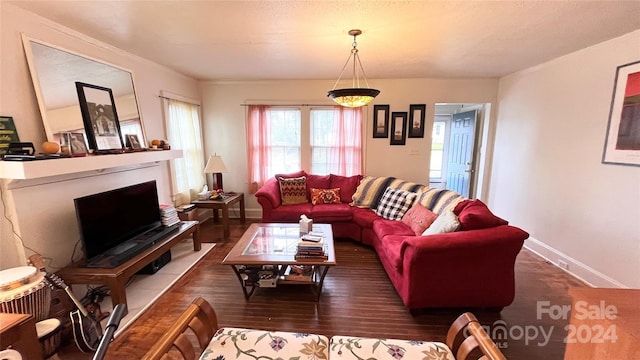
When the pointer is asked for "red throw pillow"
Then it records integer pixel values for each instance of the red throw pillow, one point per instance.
(419, 218)
(325, 196)
(476, 215)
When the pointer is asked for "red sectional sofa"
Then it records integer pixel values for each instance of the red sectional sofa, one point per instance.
(471, 267)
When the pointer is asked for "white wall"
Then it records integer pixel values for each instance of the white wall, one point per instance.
(547, 172)
(43, 215)
(224, 121)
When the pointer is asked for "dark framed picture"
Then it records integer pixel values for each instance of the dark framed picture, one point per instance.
(100, 117)
(622, 142)
(380, 121)
(77, 144)
(133, 142)
(398, 128)
(416, 120)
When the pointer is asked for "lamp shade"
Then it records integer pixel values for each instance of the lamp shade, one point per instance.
(215, 165)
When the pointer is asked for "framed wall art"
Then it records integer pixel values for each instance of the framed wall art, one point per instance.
(622, 142)
(398, 128)
(380, 121)
(416, 120)
(100, 117)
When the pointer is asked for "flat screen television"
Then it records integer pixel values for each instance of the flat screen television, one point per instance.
(109, 218)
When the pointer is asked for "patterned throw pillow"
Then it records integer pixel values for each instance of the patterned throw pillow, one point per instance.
(325, 196)
(419, 218)
(394, 203)
(293, 190)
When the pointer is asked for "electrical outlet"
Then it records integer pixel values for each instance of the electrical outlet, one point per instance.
(563, 264)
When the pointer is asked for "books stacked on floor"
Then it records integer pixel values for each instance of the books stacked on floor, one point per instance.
(169, 215)
(311, 247)
(299, 273)
(185, 208)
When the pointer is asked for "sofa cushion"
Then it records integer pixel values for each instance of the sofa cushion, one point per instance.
(293, 190)
(291, 213)
(419, 218)
(364, 217)
(318, 182)
(291, 175)
(331, 212)
(325, 196)
(439, 200)
(384, 227)
(390, 250)
(236, 343)
(475, 215)
(347, 185)
(349, 347)
(371, 189)
(395, 203)
(445, 223)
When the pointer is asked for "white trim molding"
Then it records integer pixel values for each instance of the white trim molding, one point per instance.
(572, 266)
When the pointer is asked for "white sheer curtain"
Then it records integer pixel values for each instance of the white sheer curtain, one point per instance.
(185, 133)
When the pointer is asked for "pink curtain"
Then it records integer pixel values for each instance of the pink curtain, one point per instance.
(346, 153)
(258, 146)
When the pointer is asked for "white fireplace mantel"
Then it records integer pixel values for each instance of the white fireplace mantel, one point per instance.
(24, 170)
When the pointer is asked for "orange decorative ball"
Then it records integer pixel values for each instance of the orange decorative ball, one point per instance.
(50, 147)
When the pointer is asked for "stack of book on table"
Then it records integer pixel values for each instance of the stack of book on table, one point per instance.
(311, 247)
(169, 215)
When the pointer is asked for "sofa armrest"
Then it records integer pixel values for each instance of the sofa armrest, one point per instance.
(268, 197)
(479, 262)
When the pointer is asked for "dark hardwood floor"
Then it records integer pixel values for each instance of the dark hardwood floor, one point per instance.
(358, 299)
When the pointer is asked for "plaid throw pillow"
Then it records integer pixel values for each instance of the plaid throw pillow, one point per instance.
(394, 203)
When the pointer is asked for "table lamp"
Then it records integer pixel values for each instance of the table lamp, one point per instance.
(216, 167)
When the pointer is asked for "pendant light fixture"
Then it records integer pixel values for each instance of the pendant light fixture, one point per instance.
(355, 96)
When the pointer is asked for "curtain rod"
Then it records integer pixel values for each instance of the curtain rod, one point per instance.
(169, 98)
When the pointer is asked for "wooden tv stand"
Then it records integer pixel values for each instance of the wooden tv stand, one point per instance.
(116, 278)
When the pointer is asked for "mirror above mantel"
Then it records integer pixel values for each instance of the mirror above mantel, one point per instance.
(55, 71)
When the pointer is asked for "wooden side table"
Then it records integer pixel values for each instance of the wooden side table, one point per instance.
(223, 204)
(18, 331)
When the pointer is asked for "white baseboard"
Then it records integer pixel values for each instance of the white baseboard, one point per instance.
(582, 272)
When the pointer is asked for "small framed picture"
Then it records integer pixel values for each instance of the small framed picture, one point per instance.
(100, 117)
(398, 128)
(380, 121)
(416, 120)
(133, 142)
(74, 144)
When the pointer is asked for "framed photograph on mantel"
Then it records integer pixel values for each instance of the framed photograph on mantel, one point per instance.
(398, 128)
(622, 144)
(380, 121)
(416, 120)
(100, 117)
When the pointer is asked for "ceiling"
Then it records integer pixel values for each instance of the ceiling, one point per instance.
(265, 40)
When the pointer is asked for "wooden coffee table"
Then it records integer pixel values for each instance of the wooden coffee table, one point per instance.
(265, 257)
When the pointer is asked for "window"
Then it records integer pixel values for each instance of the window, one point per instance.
(184, 132)
(438, 141)
(321, 140)
(336, 141)
(285, 141)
